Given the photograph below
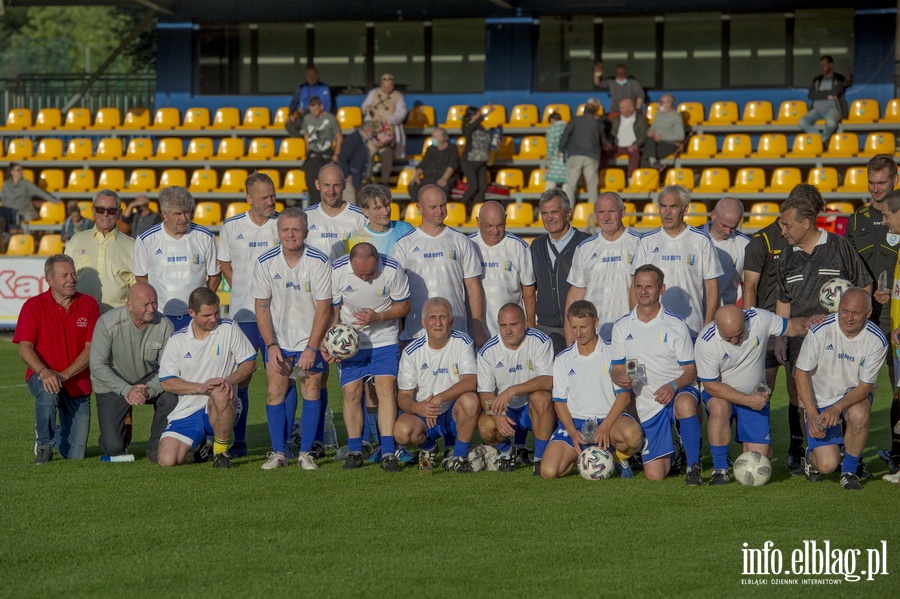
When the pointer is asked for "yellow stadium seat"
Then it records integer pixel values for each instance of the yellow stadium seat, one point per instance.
(762, 214)
(47, 118)
(50, 214)
(533, 147)
(136, 118)
(261, 148)
(843, 207)
(562, 110)
(580, 110)
(235, 208)
(583, 215)
(856, 180)
(256, 117)
(454, 117)
(50, 148)
(629, 217)
(208, 213)
(523, 115)
(790, 112)
(650, 110)
(697, 214)
(863, 111)
(784, 179)
(736, 146)
(406, 176)
(536, 182)
(892, 111)
(420, 116)
(349, 117)
(18, 118)
(281, 117)
(107, 118)
(233, 180)
(52, 180)
(807, 145)
(50, 245)
(196, 118)
(757, 113)
(28, 174)
(680, 176)
(395, 211)
(749, 180)
(173, 176)
(512, 178)
(169, 148)
(110, 178)
(227, 117)
(77, 119)
(20, 244)
(507, 148)
(643, 180)
(650, 219)
(139, 148)
(494, 118)
(80, 180)
(292, 148)
(843, 145)
(203, 180)
(109, 148)
(20, 149)
(230, 148)
(473, 215)
(200, 148)
(412, 214)
(771, 145)
(79, 148)
(824, 178)
(691, 112)
(142, 180)
(519, 215)
(456, 214)
(722, 113)
(274, 175)
(167, 118)
(701, 146)
(613, 179)
(714, 180)
(294, 181)
(879, 142)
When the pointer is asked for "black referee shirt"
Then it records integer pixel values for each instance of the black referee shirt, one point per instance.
(761, 255)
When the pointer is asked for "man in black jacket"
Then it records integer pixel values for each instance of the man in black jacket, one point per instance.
(355, 159)
(827, 96)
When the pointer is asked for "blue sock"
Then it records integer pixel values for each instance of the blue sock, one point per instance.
(428, 445)
(850, 463)
(521, 437)
(290, 407)
(503, 447)
(275, 416)
(690, 437)
(539, 447)
(240, 427)
(461, 448)
(355, 444)
(720, 456)
(320, 426)
(387, 444)
(310, 418)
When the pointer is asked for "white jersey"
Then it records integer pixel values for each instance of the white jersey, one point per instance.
(507, 266)
(175, 267)
(838, 364)
(353, 294)
(197, 360)
(603, 269)
(731, 256)
(294, 293)
(500, 367)
(687, 261)
(429, 371)
(583, 382)
(743, 366)
(242, 242)
(437, 267)
(662, 345)
(329, 234)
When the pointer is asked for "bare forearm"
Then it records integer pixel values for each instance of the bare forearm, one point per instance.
(405, 400)
(726, 392)
(538, 383)
(227, 272)
(476, 300)
(263, 309)
(182, 387)
(688, 376)
(804, 391)
(529, 298)
(466, 384)
(80, 363)
(751, 285)
(854, 396)
(244, 370)
(575, 294)
(712, 299)
(214, 281)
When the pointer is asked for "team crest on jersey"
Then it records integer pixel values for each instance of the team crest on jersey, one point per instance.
(507, 266)
(829, 347)
(453, 254)
(188, 355)
(756, 342)
(215, 351)
(691, 259)
(455, 369)
(81, 323)
(307, 287)
(529, 365)
(158, 252)
(630, 258)
(664, 337)
(195, 259)
(383, 291)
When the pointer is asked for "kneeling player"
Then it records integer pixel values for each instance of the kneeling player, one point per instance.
(582, 389)
(515, 375)
(202, 364)
(437, 387)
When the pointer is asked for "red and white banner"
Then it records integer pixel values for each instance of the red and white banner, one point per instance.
(20, 279)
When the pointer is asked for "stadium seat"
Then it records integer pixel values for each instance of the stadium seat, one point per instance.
(412, 214)
(722, 113)
(697, 214)
(349, 117)
(824, 178)
(523, 115)
(512, 178)
(273, 174)
(169, 148)
(757, 113)
(879, 142)
(18, 118)
(714, 180)
(109, 148)
(701, 146)
(736, 146)
(613, 179)
(77, 119)
(294, 181)
(643, 180)
(261, 148)
(52, 180)
(629, 218)
(79, 148)
(692, 113)
(208, 213)
(227, 117)
(292, 148)
(50, 214)
(494, 118)
(473, 215)
(200, 148)
(111, 178)
(167, 118)
(771, 145)
(580, 110)
(195, 118)
(142, 180)
(650, 219)
(203, 180)
(749, 180)
(230, 148)
(256, 117)
(28, 174)
(235, 208)
(892, 111)
(583, 215)
(536, 182)
(20, 244)
(139, 148)
(856, 180)
(20, 149)
(136, 118)
(395, 211)
(844, 207)
(233, 180)
(562, 109)
(406, 176)
(863, 111)
(456, 214)
(784, 179)
(807, 145)
(532, 147)
(519, 215)
(80, 180)
(455, 113)
(85, 207)
(420, 117)
(650, 110)
(50, 148)
(47, 118)
(680, 176)
(790, 112)
(507, 148)
(107, 118)
(762, 214)
(50, 245)
(843, 145)
(173, 176)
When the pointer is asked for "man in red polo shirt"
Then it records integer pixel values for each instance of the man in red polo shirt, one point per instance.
(54, 333)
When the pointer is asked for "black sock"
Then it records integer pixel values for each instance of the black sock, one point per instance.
(796, 428)
(895, 436)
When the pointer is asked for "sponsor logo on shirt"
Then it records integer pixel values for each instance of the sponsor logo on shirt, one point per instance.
(848, 357)
(174, 259)
(416, 249)
(433, 255)
(240, 237)
(671, 258)
(829, 347)
(424, 366)
(499, 364)
(188, 355)
(156, 253)
(629, 337)
(571, 372)
(277, 277)
(516, 368)
(438, 371)
(329, 236)
(312, 227)
(490, 264)
(655, 250)
(258, 244)
(610, 259)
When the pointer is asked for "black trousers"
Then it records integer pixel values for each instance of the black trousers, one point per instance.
(311, 167)
(476, 181)
(111, 411)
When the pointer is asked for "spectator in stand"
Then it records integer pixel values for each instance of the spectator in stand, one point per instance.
(355, 159)
(300, 102)
(322, 134)
(439, 166)
(665, 135)
(475, 155)
(622, 86)
(556, 161)
(827, 100)
(387, 107)
(582, 142)
(17, 197)
(140, 216)
(74, 222)
(629, 132)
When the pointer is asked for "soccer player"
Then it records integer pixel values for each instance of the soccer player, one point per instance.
(371, 292)
(686, 256)
(508, 273)
(441, 262)
(292, 292)
(891, 212)
(202, 364)
(836, 374)
(437, 383)
(515, 376)
(332, 221)
(242, 240)
(601, 268)
(176, 256)
(722, 228)
(661, 342)
(582, 389)
(380, 230)
(730, 355)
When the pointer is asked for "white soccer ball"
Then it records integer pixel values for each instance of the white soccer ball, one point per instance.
(752, 469)
(831, 292)
(595, 464)
(342, 341)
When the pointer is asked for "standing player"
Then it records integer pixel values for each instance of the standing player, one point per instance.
(891, 213)
(836, 374)
(176, 256)
(242, 240)
(437, 388)
(661, 342)
(577, 373)
(380, 230)
(515, 376)
(202, 364)
(508, 273)
(601, 268)
(371, 292)
(292, 290)
(722, 228)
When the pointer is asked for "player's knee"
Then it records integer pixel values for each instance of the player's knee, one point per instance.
(858, 415)
(719, 410)
(486, 427)
(826, 463)
(549, 470)
(540, 402)
(468, 404)
(631, 437)
(685, 406)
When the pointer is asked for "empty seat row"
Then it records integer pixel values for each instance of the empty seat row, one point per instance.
(23, 244)
(759, 112)
(738, 146)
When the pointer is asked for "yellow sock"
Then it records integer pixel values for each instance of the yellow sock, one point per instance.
(621, 457)
(219, 446)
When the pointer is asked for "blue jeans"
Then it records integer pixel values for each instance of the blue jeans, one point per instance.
(70, 437)
(832, 118)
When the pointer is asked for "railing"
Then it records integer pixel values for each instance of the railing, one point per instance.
(54, 91)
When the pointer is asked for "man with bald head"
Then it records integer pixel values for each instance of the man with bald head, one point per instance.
(508, 271)
(731, 364)
(722, 228)
(128, 342)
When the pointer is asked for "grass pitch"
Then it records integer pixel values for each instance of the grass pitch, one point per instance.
(92, 529)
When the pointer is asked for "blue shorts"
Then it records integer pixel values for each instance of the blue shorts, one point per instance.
(191, 430)
(444, 426)
(319, 365)
(752, 425)
(251, 332)
(377, 361)
(834, 435)
(658, 434)
(561, 434)
(180, 321)
(521, 418)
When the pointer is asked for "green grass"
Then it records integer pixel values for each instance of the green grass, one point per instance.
(94, 529)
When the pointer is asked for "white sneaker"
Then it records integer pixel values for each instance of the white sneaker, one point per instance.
(305, 461)
(276, 460)
(892, 478)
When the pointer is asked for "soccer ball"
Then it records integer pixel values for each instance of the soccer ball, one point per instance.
(595, 464)
(752, 469)
(342, 341)
(831, 292)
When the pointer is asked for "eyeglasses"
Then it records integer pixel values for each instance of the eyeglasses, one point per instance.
(103, 210)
